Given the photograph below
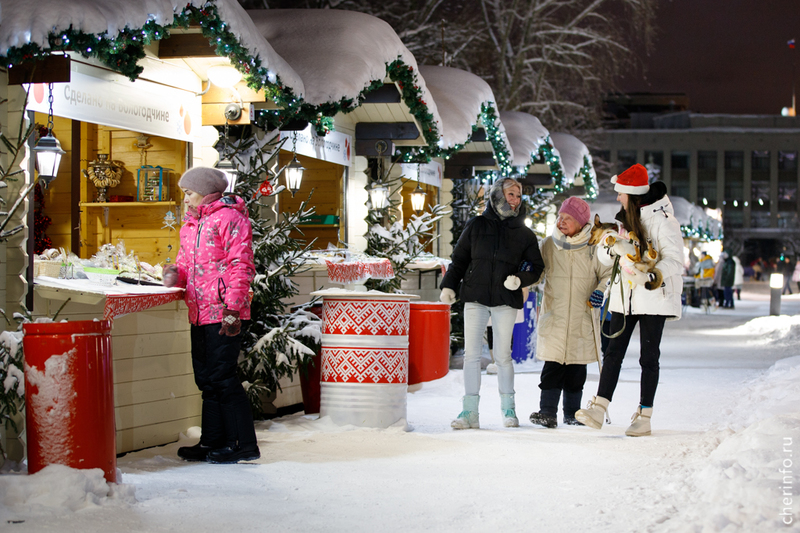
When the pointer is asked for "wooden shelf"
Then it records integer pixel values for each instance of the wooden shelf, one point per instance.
(126, 204)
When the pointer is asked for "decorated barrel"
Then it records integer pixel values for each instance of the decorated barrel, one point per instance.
(364, 375)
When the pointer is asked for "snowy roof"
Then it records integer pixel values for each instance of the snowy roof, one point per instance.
(572, 152)
(337, 53)
(525, 134)
(31, 22)
(459, 96)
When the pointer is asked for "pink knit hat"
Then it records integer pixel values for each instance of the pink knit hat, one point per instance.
(577, 209)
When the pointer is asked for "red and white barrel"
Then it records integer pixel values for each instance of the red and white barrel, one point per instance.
(364, 375)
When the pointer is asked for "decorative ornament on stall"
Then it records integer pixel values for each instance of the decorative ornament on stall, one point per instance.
(48, 150)
(152, 183)
(418, 195)
(104, 173)
(294, 170)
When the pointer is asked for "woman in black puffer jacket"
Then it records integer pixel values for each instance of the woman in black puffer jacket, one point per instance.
(488, 263)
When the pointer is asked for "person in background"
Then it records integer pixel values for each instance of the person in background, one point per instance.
(639, 295)
(727, 279)
(787, 269)
(704, 277)
(568, 327)
(738, 278)
(796, 275)
(487, 265)
(215, 265)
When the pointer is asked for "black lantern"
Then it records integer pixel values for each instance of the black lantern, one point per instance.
(48, 150)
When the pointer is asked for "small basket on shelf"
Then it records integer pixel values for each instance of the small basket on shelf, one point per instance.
(103, 276)
(46, 267)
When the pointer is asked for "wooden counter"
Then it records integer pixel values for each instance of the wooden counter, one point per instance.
(155, 398)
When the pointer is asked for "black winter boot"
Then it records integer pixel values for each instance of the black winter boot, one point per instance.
(572, 402)
(212, 433)
(548, 409)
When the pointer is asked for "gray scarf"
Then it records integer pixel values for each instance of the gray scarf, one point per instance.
(499, 203)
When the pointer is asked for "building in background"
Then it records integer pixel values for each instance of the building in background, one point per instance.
(743, 165)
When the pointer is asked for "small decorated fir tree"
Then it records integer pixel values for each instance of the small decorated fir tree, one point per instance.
(276, 343)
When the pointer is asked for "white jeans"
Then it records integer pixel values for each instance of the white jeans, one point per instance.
(476, 316)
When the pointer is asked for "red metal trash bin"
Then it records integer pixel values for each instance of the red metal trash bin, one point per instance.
(428, 341)
(69, 396)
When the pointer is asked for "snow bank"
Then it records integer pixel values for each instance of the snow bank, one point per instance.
(58, 487)
(751, 479)
(571, 151)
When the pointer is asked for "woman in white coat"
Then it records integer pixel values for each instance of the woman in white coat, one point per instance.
(647, 298)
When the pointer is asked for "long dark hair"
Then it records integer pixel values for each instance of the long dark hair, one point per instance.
(631, 217)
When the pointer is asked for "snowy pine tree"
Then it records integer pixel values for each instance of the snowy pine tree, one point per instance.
(276, 343)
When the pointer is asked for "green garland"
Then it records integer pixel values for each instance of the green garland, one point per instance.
(554, 162)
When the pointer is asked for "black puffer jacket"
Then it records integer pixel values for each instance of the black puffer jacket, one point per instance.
(489, 250)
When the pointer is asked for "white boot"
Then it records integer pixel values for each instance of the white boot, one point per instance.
(594, 413)
(468, 418)
(640, 422)
(508, 410)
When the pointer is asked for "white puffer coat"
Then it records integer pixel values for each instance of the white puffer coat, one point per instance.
(658, 220)
(567, 325)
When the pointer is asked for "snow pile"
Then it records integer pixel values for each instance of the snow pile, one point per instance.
(747, 479)
(58, 487)
(781, 331)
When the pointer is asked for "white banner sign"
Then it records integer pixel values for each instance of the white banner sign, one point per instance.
(113, 100)
(429, 173)
(334, 147)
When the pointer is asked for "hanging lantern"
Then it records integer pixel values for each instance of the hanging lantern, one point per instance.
(418, 200)
(48, 150)
(378, 194)
(231, 174)
(294, 175)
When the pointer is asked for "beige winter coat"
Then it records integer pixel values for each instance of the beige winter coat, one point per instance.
(566, 324)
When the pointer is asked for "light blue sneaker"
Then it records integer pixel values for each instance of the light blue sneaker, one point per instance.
(468, 418)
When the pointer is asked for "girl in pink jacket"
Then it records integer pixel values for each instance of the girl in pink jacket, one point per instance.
(215, 265)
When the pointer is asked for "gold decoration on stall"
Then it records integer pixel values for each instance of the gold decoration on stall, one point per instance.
(104, 173)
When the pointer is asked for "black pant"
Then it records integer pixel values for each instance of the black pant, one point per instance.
(227, 418)
(569, 378)
(651, 328)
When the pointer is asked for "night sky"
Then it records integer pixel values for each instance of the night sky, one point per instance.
(728, 56)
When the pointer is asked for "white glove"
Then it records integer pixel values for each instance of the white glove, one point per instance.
(634, 275)
(512, 283)
(448, 296)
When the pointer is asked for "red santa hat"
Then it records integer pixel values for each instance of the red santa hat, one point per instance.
(632, 181)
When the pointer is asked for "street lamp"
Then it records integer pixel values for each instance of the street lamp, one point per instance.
(294, 175)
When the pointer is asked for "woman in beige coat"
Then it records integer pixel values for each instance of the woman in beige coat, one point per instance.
(568, 329)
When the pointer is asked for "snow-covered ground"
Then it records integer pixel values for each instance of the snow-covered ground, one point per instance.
(724, 456)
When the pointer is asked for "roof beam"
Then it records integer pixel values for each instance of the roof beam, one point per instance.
(185, 45)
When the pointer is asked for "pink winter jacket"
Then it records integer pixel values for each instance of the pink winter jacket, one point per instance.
(215, 262)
